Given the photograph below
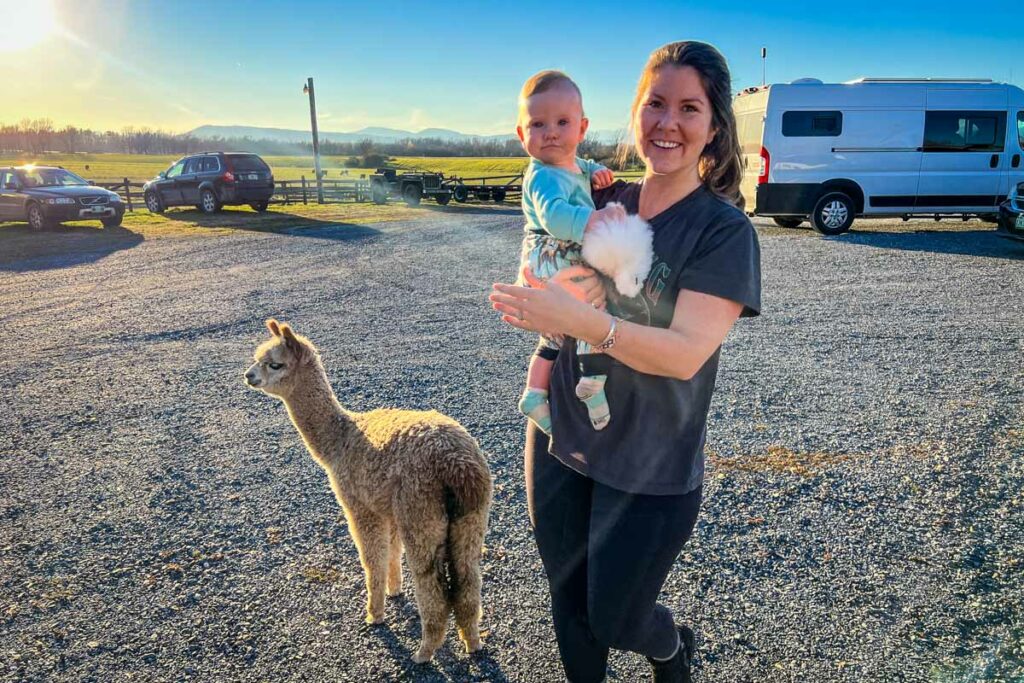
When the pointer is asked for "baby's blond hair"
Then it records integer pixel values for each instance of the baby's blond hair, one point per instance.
(542, 81)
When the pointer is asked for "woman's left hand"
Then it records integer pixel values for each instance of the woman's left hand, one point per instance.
(550, 308)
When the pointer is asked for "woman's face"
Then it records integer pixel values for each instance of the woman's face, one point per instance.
(673, 122)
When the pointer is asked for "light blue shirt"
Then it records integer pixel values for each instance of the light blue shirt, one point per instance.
(557, 202)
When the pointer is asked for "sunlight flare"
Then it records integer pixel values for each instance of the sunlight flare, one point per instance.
(25, 24)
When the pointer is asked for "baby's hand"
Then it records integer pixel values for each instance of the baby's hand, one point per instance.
(602, 179)
(612, 212)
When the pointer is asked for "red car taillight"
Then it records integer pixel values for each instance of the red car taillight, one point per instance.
(228, 177)
(762, 172)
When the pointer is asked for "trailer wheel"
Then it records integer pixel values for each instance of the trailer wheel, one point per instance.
(412, 195)
(788, 221)
(443, 198)
(833, 214)
(498, 195)
(461, 193)
(379, 195)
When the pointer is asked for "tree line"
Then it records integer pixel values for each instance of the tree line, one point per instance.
(35, 136)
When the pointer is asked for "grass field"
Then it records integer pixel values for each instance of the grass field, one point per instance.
(138, 167)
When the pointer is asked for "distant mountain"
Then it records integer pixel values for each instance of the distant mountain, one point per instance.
(376, 134)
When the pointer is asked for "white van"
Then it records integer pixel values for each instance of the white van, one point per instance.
(879, 147)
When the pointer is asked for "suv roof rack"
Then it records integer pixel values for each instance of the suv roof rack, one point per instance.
(918, 80)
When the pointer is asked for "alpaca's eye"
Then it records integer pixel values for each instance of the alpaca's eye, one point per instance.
(275, 366)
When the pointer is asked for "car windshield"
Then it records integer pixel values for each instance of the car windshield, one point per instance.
(48, 177)
(245, 163)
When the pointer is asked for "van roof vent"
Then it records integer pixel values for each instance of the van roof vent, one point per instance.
(919, 80)
(815, 81)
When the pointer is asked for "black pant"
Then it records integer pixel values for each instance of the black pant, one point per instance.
(607, 554)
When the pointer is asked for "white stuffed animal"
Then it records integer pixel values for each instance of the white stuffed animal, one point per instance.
(622, 250)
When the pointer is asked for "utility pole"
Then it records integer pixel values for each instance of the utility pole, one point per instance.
(308, 89)
(764, 60)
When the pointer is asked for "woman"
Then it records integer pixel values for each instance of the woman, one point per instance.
(612, 509)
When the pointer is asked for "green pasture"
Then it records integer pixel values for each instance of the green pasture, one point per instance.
(139, 167)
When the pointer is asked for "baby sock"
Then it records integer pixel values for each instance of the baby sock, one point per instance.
(590, 390)
(534, 405)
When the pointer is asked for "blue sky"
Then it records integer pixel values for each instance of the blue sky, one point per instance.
(182, 63)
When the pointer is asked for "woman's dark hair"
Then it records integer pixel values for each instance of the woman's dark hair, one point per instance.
(721, 162)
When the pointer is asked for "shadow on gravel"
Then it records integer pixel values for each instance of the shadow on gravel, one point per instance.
(277, 222)
(493, 209)
(24, 250)
(969, 243)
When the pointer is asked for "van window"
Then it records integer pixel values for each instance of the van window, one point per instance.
(964, 131)
(1020, 129)
(803, 124)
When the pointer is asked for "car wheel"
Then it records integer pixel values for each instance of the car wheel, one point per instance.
(153, 203)
(443, 198)
(412, 195)
(833, 214)
(36, 218)
(260, 206)
(788, 221)
(208, 202)
(461, 193)
(112, 222)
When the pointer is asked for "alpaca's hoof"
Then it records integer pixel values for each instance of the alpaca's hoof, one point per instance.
(423, 656)
(394, 592)
(370, 619)
(473, 646)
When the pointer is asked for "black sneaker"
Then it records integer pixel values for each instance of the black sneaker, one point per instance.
(676, 669)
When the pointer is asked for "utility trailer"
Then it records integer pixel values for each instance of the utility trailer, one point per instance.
(500, 187)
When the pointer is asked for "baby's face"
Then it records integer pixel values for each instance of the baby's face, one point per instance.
(551, 125)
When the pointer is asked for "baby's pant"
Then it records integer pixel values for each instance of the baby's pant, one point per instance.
(546, 256)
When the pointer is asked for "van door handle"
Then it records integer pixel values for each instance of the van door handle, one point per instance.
(1015, 161)
(994, 161)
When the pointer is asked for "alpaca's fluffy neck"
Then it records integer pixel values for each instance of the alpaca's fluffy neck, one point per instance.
(316, 413)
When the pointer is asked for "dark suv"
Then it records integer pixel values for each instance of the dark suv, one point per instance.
(46, 195)
(210, 180)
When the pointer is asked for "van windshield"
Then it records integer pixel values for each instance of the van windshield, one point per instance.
(750, 131)
(1020, 129)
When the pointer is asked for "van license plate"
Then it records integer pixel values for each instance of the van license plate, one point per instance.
(1020, 221)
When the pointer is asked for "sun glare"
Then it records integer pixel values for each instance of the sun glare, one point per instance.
(24, 23)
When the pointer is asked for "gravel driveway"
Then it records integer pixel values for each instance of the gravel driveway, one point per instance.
(863, 515)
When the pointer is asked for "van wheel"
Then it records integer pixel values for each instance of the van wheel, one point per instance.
(788, 221)
(989, 217)
(833, 214)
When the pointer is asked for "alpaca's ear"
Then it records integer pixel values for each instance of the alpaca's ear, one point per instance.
(292, 343)
(273, 327)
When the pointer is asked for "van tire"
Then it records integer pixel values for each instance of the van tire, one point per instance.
(788, 221)
(833, 213)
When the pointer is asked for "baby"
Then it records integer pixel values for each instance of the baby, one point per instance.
(558, 209)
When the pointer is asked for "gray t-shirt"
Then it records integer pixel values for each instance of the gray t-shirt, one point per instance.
(654, 443)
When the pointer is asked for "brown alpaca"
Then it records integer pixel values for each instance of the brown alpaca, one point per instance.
(404, 478)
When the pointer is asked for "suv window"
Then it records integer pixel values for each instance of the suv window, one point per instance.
(175, 171)
(802, 124)
(193, 165)
(210, 165)
(244, 163)
(964, 131)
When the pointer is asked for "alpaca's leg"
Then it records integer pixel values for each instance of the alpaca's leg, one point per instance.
(395, 561)
(424, 538)
(372, 537)
(467, 538)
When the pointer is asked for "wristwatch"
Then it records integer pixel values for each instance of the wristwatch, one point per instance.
(609, 340)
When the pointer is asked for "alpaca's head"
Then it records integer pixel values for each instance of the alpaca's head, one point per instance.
(282, 362)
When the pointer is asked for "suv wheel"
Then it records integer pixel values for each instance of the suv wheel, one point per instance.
(112, 222)
(260, 206)
(153, 203)
(36, 217)
(208, 202)
(788, 221)
(412, 194)
(833, 214)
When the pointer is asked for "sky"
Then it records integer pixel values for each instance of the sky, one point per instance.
(178, 64)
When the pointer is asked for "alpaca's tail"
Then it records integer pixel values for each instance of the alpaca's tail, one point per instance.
(467, 502)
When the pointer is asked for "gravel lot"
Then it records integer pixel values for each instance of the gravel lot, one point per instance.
(863, 520)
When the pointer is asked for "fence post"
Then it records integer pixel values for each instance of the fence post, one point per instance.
(128, 194)
(303, 189)
(287, 192)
